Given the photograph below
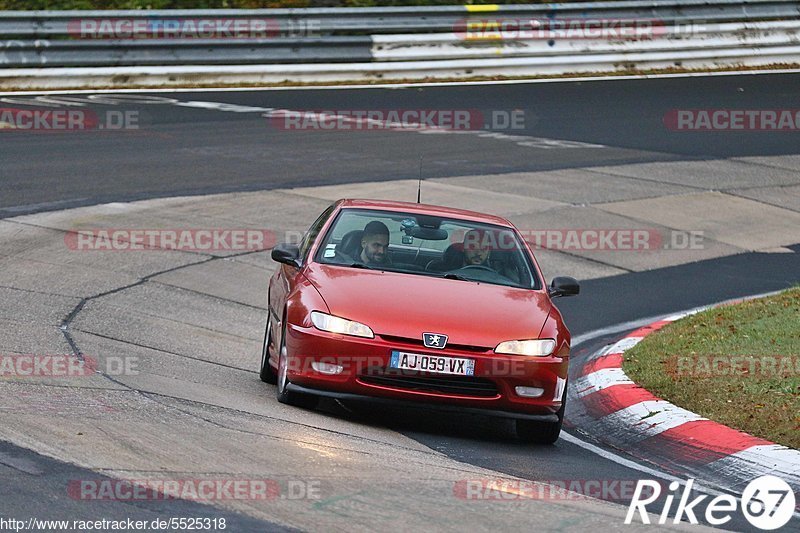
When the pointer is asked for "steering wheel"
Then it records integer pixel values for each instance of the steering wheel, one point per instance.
(484, 268)
(479, 267)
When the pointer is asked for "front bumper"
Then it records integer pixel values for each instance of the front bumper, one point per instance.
(359, 357)
(293, 387)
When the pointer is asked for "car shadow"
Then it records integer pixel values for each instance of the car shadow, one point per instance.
(423, 421)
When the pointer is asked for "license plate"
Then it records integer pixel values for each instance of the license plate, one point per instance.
(432, 363)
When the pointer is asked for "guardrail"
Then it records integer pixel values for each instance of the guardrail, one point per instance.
(326, 44)
(417, 19)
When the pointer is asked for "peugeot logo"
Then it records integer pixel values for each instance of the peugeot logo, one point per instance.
(434, 340)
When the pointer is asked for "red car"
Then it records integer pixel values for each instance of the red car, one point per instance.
(402, 302)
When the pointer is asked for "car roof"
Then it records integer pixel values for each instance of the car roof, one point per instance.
(425, 209)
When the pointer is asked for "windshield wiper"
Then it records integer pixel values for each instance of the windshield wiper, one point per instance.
(360, 265)
(456, 276)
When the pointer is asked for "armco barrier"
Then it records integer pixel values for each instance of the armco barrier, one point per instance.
(55, 49)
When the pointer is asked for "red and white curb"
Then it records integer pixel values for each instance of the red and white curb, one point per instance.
(628, 416)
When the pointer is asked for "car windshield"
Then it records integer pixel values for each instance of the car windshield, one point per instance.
(428, 245)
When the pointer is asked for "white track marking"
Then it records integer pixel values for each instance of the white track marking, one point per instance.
(269, 112)
(613, 330)
(652, 417)
(622, 345)
(754, 461)
(600, 380)
(704, 487)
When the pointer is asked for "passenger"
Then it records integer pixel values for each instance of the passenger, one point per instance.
(375, 244)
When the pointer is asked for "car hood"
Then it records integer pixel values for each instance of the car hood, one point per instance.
(407, 305)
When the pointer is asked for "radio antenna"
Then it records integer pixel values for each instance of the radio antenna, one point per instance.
(419, 181)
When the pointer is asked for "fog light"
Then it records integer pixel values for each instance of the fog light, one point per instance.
(529, 392)
(327, 368)
(561, 385)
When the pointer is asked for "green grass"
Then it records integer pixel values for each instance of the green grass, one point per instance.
(736, 364)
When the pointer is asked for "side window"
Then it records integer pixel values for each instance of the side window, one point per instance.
(313, 231)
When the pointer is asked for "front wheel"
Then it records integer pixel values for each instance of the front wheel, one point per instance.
(542, 432)
(267, 374)
(284, 395)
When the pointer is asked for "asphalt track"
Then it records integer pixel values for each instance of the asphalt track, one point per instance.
(185, 150)
(480, 441)
(33, 485)
(196, 151)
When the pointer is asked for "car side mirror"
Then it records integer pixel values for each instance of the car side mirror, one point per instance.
(288, 254)
(564, 286)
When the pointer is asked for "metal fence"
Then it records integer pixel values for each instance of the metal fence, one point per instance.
(417, 19)
(330, 43)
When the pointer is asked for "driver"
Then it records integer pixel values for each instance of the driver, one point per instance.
(375, 244)
(476, 249)
(478, 246)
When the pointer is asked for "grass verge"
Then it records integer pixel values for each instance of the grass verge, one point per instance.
(737, 364)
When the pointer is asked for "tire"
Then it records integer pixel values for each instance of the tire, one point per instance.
(296, 399)
(267, 374)
(541, 432)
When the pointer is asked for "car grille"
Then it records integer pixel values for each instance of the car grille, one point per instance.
(416, 381)
(418, 343)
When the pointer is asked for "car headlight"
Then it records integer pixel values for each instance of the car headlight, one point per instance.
(335, 324)
(538, 347)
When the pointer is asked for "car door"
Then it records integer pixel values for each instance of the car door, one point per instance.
(287, 277)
